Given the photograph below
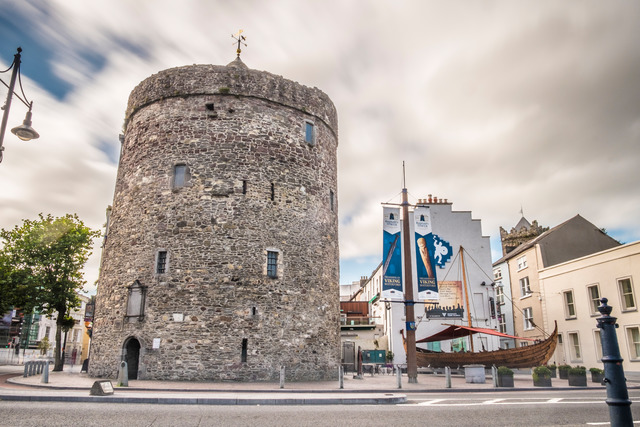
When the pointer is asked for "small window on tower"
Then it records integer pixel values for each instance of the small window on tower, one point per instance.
(243, 353)
(309, 133)
(179, 176)
(272, 264)
(161, 262)
(331, 201)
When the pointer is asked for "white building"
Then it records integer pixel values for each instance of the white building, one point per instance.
(504, 303)
(459, 230)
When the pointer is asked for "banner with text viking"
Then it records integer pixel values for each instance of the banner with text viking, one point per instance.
(391, 255)
(425, 265)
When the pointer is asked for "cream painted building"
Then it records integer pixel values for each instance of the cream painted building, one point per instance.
(570, 295)
(570, 240)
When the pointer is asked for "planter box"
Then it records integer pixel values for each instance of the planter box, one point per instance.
(505, 380)
(474, 374)
(578, 380)
(564, 374)
(542, 382)
(553, 373)
(597, 378)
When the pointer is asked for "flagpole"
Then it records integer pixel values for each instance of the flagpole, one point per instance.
(412, 367)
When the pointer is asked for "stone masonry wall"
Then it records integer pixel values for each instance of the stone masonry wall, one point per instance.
(253, 184)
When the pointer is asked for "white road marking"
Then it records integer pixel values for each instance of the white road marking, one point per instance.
(556, 401)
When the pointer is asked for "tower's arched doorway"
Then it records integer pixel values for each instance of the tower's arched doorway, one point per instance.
(132, 356)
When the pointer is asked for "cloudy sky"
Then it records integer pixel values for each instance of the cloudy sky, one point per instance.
(494, 105)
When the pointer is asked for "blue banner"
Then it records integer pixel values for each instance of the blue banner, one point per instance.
(392, 255)
(425, 265)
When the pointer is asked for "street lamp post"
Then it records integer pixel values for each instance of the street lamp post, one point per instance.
(25, 132)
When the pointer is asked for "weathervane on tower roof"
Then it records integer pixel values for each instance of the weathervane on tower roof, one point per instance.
(240, 38)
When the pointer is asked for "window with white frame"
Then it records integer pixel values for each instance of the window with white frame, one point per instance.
(497, 274)
(594, 298)
(522, 262)
(502, 324)
(525, 289)
(499, 294)
(626, 294)
(569, 305)
(633, 337)
(598, 344)
(527, 317)
(574, 344)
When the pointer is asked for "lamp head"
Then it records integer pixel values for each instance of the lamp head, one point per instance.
(25, 132)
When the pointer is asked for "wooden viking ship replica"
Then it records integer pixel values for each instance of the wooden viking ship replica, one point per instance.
(528, 356)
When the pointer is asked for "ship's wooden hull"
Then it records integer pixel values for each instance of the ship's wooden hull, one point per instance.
(521, 357)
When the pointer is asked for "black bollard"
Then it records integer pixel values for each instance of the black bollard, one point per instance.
(617, 395)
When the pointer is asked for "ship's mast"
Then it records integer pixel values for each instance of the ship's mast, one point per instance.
(466, 294)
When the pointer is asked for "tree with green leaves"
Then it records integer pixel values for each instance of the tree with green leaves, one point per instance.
(40, 268)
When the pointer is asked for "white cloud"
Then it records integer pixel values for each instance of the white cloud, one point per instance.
(492, 105)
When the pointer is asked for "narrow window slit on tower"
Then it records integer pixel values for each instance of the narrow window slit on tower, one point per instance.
(161, 262)
(331, 199)
(272, 264)
(273, 191)
(244, 186)
(254, 311)
(243, 356)
(309, 133)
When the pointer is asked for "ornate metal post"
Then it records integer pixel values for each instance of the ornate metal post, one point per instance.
(617, 395)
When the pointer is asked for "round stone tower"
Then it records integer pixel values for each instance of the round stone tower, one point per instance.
(220, 260)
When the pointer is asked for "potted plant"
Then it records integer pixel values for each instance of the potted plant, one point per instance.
(563, 371)
(553, 369)
(597, 375)
(541, 376)
(578, 376)
(505, 377)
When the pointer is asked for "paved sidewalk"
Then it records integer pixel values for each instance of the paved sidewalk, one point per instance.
(71, 385)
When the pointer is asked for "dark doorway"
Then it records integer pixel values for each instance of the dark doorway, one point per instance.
(132, 355)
